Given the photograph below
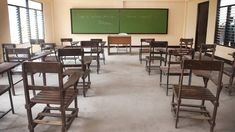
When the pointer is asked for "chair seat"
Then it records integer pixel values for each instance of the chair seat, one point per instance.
(173, 70)
(144, 50)
(50, 59)
(53, 97)
(207, 74)
(155, 58)
(87, 59)
(202, 73)
(17, 70)
(70, 71)
(228, 71)
(203, 57)
(100, 50)
(3, 89)
(194, 92)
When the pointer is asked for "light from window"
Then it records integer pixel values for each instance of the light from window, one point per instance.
(226, 2)
(24, 25)
(17, 2)
(40, 25)
(35, 5)
(33, 24)
(25, 22)
(14, 28)
(225, 28)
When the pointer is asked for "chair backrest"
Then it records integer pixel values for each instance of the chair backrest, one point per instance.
(66, 40)
(30, 68)
(180, 53)
(4, 47)
(159, 44)
(97, 40)
(48, 47)
(207, 48)
(77, 53)
(89, 44)
(233, 63)
(204, 65)
(146, 40)
(37, 41)
(186, 43)
(17, 54)
(155, 45)
(90, 47)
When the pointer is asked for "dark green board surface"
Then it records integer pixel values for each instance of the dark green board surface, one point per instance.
(133, 21)
(95, 21)
(143, 21)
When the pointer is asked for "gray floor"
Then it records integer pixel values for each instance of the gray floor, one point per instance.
(123, 98)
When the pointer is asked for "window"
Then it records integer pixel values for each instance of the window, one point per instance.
(225, 23)
(26, 20)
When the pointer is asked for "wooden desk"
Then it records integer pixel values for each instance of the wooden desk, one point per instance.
(232, 54)
(6, 67)
(116, 40)
(40, 55)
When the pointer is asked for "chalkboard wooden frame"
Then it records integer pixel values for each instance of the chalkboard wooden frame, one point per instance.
(119, 18)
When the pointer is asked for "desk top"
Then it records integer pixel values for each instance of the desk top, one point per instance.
(40, 55)
(231, 54)
(5, 66)
(119, 36)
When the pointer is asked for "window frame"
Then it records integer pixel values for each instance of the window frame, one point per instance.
(28, 21)
(217, 22)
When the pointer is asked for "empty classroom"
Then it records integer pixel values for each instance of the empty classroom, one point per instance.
(117, 65)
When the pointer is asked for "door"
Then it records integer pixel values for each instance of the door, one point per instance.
(202, 18)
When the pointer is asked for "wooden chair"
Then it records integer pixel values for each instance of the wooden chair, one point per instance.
(101, 48)
(91, 52)
(73, 66)
(204, 51)
(17, 55)
(173, 67)
(66, 41)
(186, 43)
(4, 46)
(144, 47)
(56, 97)
(196, 92)
(230, 72)
(35, 42)
(51, 48)
(156, 54)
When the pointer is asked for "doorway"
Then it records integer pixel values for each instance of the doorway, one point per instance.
(202, 19)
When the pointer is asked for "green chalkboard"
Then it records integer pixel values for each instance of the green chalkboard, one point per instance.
(132, 21)
(143, 21)
(95, 20)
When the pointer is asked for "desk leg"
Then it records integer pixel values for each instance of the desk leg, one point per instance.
(13, 90)
(44, 74)
(10, 80)
(11, 101)
(44, 79)
(108, 49)
(130, 48)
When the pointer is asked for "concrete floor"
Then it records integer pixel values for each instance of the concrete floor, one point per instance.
(123, 98)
